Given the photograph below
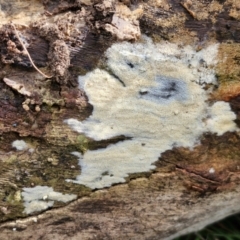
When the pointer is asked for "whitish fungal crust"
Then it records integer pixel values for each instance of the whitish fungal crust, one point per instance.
(20, 145)
(41, 198)
(154, 95)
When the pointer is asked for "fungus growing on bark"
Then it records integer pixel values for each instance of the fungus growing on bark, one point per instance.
(153, 94)
(19, 145)
(40, 198)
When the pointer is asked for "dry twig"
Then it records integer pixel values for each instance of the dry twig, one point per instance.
(30, 59)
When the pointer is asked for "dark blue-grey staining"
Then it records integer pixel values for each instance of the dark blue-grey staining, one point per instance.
(130, 64)
(167, 90)
(143, 92)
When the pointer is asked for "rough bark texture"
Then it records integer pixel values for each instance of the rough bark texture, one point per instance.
(68, 38)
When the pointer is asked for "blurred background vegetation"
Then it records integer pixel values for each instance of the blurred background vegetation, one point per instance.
(227, 229)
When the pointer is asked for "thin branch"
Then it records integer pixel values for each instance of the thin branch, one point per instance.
(30, 59)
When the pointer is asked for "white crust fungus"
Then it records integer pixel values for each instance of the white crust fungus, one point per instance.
(221, 118)
(40, 198)
(153, 94)
(19, 145)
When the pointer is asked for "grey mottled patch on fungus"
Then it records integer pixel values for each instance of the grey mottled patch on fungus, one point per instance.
(167, 90)
(155, 96)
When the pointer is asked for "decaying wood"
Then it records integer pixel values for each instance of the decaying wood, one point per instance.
(68, 38)
(29, 57)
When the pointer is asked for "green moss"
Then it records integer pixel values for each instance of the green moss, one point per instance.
(83, 143)
(11, 200)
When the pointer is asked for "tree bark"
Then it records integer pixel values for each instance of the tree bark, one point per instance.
(66, 39)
